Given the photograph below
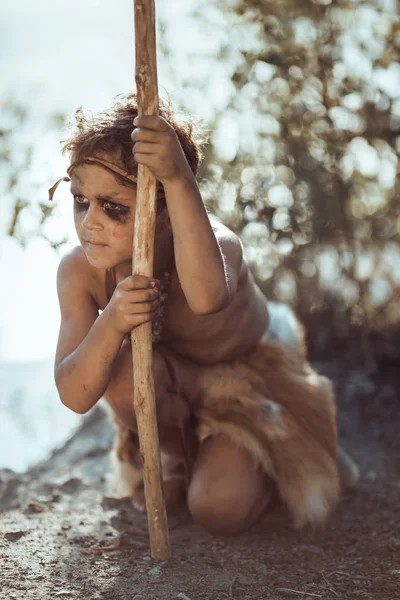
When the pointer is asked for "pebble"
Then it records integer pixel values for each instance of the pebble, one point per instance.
(155, 572)
(182, 596)
(35, 507)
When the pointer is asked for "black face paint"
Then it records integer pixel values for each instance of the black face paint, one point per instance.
(116, 212)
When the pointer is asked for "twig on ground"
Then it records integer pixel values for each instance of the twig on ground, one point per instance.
(231, 586)
(329, 585)
(290, 591)
(349, 575)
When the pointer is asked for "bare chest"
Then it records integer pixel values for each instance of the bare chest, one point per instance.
(217, 337)
(206, 339)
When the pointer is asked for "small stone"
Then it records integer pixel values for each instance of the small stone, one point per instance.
(14, 536)
(155, 572)
(182, 596)
(35, 507)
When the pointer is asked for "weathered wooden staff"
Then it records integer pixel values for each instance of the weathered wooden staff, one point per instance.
(142, 263)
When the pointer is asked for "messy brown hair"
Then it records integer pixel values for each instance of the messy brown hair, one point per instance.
(110, 132)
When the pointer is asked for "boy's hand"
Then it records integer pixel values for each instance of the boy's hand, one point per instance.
(157, 146)
(134, 301)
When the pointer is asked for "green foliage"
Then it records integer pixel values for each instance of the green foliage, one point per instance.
(311, 184)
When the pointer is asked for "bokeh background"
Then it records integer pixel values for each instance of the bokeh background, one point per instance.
(302, 103)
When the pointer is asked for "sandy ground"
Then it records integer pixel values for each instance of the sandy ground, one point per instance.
(62, 535)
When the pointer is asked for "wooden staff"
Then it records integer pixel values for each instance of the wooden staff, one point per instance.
(142, 263)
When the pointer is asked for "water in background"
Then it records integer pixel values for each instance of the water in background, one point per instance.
(33, 420)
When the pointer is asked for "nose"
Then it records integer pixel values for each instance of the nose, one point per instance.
(92, 218)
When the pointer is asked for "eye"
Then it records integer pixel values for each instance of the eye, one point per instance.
(79, 199)
(108, 205)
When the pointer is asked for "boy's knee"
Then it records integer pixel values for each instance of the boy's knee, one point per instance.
(217, 511)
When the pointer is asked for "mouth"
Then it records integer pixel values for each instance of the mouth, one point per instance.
(92, 244)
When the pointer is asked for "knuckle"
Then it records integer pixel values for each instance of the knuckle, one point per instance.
(136, 279)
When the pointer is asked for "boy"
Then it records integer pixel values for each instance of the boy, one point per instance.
(240, 412)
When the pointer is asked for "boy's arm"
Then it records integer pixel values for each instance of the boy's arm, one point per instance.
(87, 345)
(208, 259)
(208, 277)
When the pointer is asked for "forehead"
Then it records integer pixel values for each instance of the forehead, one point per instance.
(94, 180)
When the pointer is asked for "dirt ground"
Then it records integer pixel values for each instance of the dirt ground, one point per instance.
(63, 536)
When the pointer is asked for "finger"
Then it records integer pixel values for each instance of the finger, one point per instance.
(139, 308)
(141, 134)
(144, 148)
(138, 319)
(155, 123)
(135, 282)
(138, 296)
(149, 160)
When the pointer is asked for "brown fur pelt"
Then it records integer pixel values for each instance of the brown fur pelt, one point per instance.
(271, 403)
(127, 463)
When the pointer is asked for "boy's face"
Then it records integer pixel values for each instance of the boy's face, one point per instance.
(104, 214)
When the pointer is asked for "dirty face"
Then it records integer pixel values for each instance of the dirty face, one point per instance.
(104, 215)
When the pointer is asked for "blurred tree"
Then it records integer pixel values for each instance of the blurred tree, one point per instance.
(309, 179)
(24, 207)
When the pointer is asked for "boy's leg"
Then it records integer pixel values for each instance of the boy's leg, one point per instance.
(173, 411)
(178, 440)
(227, 492)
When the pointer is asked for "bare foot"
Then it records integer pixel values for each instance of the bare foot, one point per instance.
(174, 495)
(348, 471)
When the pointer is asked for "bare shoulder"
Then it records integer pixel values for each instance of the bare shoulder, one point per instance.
(224, 234)
(72, 261)
(75, 277)
(231, 247)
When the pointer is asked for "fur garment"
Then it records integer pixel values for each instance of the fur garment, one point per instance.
(271, 403)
